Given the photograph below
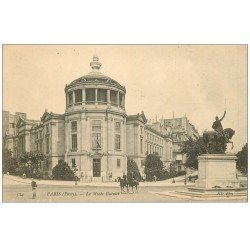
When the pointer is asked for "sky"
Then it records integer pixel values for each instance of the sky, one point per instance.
(199, 81)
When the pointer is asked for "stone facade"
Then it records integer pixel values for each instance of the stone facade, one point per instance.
(94, 135)
(143, 139)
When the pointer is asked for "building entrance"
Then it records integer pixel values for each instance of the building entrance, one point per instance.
(96, 167)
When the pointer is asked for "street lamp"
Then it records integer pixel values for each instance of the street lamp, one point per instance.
(185, 182)
(74, 170)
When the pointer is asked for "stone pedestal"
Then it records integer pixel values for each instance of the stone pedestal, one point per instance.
(217, 170)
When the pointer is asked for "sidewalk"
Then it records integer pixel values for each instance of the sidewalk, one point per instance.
(14, 180)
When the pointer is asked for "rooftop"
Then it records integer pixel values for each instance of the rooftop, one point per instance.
(95, 76)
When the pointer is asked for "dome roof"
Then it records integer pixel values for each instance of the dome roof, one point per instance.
(95, 76)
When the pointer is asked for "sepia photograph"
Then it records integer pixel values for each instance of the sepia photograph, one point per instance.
(124, 123)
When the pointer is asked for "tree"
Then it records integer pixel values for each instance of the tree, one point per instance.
(132, 170)
(62, 171)
(29, 163)
(193, 148)
(9, 163)
(153, 167)
(242, 159)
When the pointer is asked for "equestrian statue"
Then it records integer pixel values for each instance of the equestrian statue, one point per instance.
(216, 141)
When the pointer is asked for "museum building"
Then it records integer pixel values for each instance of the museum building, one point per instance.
(94, 135)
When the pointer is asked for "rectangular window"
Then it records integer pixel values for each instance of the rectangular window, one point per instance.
(74, 141)
(96, 134)
(74, 126)
(118, 163)
(117, 135)
(96, 167)
(96, 125)
(113, 97)
(141, 143)
(78, 96)
(102, 95)
(90, 95)
(47, 145)
(117, 127)
(117, 142)
(70, 98)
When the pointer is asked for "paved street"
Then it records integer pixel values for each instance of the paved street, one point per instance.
(20, 191)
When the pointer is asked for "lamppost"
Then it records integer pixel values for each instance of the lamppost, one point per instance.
(74, 170)
(185, 182)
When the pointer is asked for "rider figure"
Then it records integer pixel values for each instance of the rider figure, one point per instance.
(217, 126)
(124, 176)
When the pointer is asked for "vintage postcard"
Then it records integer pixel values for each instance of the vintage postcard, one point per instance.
(124, 123)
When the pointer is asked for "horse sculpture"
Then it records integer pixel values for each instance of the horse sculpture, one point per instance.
(123, 183)
(213, 138)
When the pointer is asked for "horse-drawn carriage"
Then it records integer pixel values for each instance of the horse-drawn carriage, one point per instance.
(128, 183)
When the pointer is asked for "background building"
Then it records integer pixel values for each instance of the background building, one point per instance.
(143, 139)
(181, 129)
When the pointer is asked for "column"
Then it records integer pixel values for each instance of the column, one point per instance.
(96, 96)
(108, 96)
(73, 95)
(118, 99)
(66, 139)
(83, 96)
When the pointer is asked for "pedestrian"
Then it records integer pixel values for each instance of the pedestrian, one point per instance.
(124, 176)
(154, 178)
(33, 186)
(173, 181)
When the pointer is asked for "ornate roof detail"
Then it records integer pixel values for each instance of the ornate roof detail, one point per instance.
(46, 116)
(95, 64)
(138, 117)
(95, 76)
(20, 122)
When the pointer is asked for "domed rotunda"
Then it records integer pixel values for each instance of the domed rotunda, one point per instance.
(95, 126)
